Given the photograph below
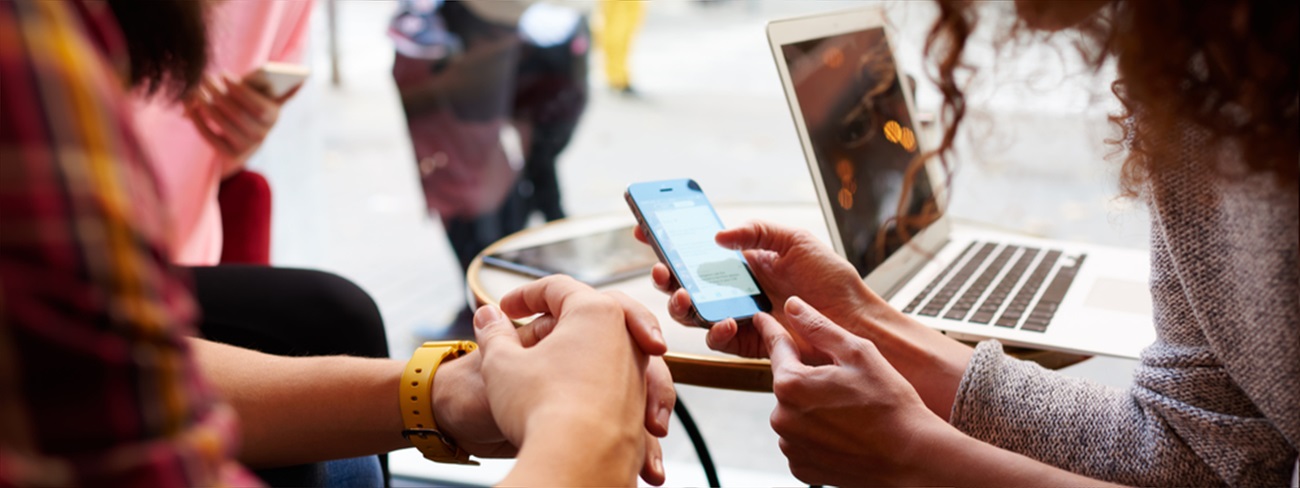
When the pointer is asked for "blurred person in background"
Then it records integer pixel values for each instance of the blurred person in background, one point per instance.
(619, 22)
(492, 93)
(102, 382)
(1211, 127)
(202, 144)
(220, 211)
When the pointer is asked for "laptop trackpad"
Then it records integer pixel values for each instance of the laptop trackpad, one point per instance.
(1119, 296)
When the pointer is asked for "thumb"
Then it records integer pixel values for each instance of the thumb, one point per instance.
(819, 332)
(780, 346)
(494, 331)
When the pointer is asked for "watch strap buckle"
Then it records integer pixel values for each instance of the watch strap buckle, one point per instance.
(456, 455)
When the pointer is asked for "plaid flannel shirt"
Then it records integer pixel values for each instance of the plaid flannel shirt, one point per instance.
(97, 384)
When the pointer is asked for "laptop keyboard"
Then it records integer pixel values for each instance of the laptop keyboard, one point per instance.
(1011, 316)
(1000, 293)
(968, 288)
(973, 292)
(916, 302)
(1051, 299)
(941, 299)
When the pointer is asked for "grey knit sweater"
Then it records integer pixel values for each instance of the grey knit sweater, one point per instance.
(1216, 399)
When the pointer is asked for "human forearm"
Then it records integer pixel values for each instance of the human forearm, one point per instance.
(970, 462)
(932, 362)
(296, 410)
(603, 455)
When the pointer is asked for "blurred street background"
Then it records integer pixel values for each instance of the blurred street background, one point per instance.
(709, 107)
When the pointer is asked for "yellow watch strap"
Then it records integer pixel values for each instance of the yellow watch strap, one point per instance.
(417, 402)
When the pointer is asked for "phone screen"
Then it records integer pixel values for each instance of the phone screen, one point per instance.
(682, 225)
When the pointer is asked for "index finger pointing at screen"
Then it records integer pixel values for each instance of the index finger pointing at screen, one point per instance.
(759, 235)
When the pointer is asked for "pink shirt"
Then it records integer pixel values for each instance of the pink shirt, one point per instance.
(244, 34)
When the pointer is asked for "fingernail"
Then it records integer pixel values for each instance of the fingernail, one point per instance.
(486, 315)
(664, 416)
(659, 464)
(795, 306)
(659, 336)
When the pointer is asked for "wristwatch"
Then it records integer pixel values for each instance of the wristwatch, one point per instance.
(417, 402)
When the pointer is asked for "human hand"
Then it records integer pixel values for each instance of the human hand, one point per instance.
(852, 421)
(584, 382)
(644, 327)
(787, 262)
(460, 398)
(234, 117)
(790, 262)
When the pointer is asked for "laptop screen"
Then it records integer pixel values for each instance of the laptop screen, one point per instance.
(864, 140)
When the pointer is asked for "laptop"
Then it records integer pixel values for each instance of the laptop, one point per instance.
(853, 112)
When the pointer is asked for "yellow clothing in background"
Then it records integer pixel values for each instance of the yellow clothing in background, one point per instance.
(620, 20)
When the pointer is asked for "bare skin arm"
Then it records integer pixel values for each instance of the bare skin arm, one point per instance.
(298, 410)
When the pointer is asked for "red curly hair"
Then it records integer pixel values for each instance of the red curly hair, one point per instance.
(1226, 68)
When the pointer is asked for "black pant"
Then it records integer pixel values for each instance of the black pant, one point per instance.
(289, 312)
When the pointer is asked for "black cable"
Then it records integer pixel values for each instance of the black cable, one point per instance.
(697, 440)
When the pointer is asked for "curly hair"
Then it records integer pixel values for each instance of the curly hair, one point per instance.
(167, 43)
(1227, 69)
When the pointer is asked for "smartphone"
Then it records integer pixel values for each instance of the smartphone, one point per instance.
(681, 225)
(278, 79)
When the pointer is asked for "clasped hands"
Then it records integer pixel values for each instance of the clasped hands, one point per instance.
(572, 384)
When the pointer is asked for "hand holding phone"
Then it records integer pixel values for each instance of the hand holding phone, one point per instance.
(680, 225)
(235, 115)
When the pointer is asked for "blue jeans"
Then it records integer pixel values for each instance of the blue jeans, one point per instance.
(355, 472)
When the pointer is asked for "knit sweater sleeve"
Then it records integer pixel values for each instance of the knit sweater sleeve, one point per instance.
(1213, 400)
(1138, 437)
(1074, 424)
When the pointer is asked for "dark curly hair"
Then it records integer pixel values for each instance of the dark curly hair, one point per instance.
(167, 42)
(1227, 69)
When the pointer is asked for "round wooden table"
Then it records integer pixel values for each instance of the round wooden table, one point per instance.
(689, 359)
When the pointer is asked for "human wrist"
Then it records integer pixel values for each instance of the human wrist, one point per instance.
(451, 382)
(970, 461)
(932, 362)
(590, 421)
(580, 446)
(938, 440)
